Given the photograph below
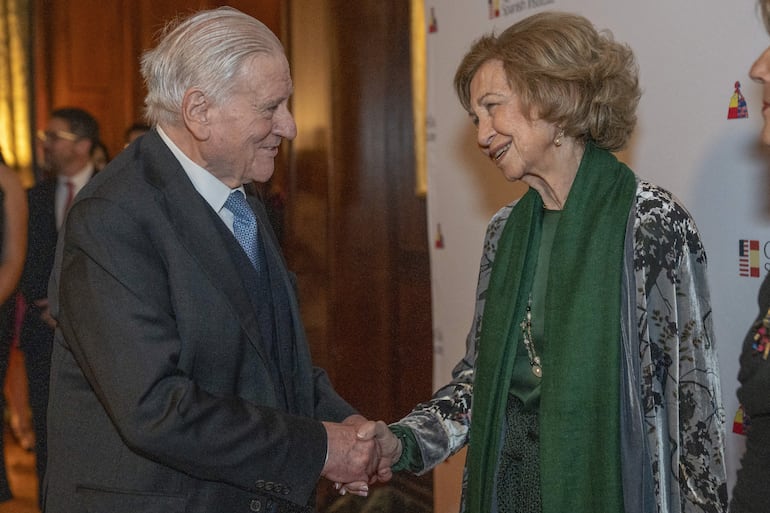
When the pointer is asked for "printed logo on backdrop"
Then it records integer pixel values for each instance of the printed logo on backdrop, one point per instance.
(430, 127)
(738, 108)
(749, 254)
(432, 21)
(499, 8)
(439, 238)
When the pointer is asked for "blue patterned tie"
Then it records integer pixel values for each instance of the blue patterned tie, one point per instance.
(244, 226)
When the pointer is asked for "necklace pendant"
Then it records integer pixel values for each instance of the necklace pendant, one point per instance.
(537, 369)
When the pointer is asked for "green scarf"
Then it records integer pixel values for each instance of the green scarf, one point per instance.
(579, 412)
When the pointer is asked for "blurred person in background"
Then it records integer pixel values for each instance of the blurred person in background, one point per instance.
(13, 250)
(751, 493)
(67, 144)
(100, 156)
(135, 131)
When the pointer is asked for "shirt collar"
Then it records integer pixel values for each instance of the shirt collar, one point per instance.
(213, 190)
(79, 179)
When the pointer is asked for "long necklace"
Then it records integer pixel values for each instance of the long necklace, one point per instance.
(529, 343)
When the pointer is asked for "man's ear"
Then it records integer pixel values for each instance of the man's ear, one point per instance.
(84, 147)
(195, 113)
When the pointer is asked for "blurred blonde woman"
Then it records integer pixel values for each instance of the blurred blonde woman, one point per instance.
(13, 250)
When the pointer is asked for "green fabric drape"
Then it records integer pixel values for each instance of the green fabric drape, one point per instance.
(579, 408)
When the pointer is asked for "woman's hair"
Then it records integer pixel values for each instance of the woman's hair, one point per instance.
(764, 9)
(573, 76)
(206, 50)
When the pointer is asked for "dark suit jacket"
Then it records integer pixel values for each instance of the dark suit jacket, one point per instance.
(163, 397)
(42, 235)
(36, 335)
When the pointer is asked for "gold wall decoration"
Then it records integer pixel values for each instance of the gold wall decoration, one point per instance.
(419, 95)
(15, 86)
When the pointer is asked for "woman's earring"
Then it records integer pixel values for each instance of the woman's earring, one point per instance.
(557, 141)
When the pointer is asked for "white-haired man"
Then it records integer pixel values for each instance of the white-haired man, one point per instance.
(181, 377)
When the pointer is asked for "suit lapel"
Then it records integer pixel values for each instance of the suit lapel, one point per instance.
(195, 224)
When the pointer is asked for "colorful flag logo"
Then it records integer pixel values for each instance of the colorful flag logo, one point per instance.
(737, 108)
(740, 422)
(439, 241)
(494, 8)
(433, 23)
(748, 258)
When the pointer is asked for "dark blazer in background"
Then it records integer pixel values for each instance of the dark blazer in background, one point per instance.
(36, 335)
(164, 395)
(42, 240)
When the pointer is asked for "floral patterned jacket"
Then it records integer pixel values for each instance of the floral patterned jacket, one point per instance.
(673, 420)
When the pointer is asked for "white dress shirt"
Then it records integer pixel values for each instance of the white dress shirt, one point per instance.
(78, 180)
(213, 190)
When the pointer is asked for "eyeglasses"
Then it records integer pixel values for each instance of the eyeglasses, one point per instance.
(56, 135)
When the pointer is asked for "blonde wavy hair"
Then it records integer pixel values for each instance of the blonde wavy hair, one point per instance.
(568, 72)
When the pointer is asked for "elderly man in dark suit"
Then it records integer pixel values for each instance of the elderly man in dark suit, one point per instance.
(181, 378)
(67, 140)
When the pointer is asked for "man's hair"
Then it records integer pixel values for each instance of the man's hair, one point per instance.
(206, 50)
(81, 123)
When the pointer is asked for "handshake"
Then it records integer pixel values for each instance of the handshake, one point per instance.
(360, 452)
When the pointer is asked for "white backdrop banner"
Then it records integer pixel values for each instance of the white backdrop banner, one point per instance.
(697, 135)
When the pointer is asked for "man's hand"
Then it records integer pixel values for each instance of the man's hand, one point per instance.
(45, 312)
(389, 449)
(350, 458)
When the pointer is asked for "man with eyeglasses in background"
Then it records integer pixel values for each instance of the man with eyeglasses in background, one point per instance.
(66, 144)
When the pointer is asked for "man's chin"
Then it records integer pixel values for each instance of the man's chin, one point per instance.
(262, 175)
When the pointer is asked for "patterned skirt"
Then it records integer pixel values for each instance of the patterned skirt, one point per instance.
(518, 474)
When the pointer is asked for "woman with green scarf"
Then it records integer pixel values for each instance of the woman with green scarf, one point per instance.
(590, 383)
